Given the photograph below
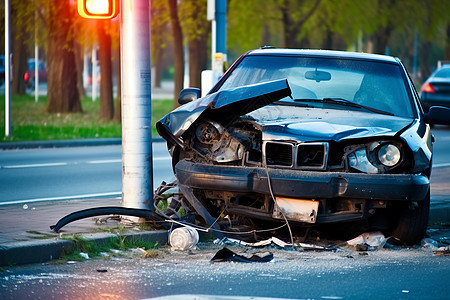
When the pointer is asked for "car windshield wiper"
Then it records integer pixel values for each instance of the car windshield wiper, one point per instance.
(345, 102)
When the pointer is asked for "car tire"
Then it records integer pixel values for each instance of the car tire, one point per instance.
(412, 221)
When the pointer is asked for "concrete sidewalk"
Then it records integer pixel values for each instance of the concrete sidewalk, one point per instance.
(25, 235)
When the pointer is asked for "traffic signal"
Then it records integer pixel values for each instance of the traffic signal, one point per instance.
(98, 9)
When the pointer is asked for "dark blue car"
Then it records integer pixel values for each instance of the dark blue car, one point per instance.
(307, 137)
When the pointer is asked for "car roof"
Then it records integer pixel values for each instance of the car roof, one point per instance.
(324, 53)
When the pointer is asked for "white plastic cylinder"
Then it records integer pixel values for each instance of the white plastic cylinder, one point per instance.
(183, 238)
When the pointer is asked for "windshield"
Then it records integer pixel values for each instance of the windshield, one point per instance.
(367, 83)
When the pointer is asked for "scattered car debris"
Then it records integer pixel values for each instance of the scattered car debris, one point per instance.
(429, 244)
(183, 238)
(368, 239)
(226, 254)
(102, 270)
(273, 241)
(442, 251)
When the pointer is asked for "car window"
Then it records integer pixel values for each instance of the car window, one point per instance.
(373, 84)
(443, 73)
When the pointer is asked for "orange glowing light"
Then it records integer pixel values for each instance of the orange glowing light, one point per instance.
(98, 9)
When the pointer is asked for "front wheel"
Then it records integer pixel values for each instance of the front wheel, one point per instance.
(412, 221)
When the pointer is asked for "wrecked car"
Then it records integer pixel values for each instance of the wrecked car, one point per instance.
(309, 137)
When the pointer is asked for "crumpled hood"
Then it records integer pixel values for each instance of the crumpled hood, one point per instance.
(223, 107)
(319, 124)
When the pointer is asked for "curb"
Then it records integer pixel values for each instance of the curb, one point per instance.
(67, 143)
(29, 252)
(439, 214)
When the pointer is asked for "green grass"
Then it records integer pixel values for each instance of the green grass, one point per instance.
(31, 122)
(93, 249)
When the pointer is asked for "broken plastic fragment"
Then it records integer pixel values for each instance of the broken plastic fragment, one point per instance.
(429, 244)
(374, 239)
(226, 254)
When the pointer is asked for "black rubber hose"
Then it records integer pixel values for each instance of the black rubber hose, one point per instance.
(108, 210)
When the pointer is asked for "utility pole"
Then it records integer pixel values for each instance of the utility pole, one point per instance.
(7, 72)
(137, 171)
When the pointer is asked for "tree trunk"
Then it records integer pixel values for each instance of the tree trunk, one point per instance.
(62, 92)
(106, 90)
(425, 71)
(197, 60)
(19, 58)
(79, 61)
(158, 59)
(292, 27)
(178, 50)
(447, 44)
(382, 37)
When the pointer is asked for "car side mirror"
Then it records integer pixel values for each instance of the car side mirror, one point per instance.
(437, 115)
(188, 95)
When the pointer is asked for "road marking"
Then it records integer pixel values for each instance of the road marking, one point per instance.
(437, 166)
(105, 161)
(162, 158)
(62, 198)
(35, 165)
(57, 164)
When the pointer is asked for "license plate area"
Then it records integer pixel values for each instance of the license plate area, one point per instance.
(296, 209)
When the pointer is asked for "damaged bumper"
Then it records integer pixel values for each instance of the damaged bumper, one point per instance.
(303, 184)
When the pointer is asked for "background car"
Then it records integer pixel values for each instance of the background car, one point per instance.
(28, 77)
(308, 137)
(436, 89)
(2, 69)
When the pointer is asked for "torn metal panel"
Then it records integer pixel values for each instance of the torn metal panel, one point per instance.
(200, 209)
(224, 106)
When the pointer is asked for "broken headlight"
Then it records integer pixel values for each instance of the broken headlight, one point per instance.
(375, 157)
(389, 155)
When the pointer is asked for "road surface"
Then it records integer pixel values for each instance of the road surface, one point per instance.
(28, 176)
(54, 174)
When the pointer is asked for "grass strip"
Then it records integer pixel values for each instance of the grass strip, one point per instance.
(31, 122)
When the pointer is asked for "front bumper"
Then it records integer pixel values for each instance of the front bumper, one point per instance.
(303, 184)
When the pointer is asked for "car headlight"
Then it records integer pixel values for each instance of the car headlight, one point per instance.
(389, 155)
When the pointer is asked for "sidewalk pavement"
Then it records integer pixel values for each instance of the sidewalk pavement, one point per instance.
(25, 235)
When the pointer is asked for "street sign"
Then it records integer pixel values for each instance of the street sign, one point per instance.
(98, 9)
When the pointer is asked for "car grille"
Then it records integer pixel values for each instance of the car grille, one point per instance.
(306, 156)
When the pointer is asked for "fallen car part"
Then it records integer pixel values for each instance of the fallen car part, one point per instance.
(226, 254)
(99, 211)
(373, 239)
(183, 238)
(273, 241)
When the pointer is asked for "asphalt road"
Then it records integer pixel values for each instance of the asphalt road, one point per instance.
(344, 274)
(28, 176)
(54, 174)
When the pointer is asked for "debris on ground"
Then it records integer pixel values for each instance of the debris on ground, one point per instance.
(273, 241)
(226, 254)
(183, 238)
(429, 244)
(442, 251)
(368, 241)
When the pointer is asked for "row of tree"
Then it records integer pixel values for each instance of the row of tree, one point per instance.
(415, 30)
